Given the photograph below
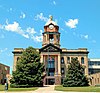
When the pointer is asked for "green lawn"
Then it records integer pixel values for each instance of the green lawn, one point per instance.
(78, 89)
(18, 89)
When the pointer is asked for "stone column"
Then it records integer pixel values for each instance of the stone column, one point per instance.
(58, 76)
(45, 64)
(86, 64)
(48, 38)
(59, 65)
(65, 62)
(44, 61)
(41, 60)
(56, 65)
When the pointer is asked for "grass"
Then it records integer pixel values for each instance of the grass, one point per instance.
(2, 88)
(78, 89)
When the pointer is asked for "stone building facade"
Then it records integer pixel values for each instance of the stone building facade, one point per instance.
(94, 79)
(55, 58)
(4, 71)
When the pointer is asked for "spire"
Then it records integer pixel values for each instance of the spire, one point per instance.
(51, 18)
(51, 21)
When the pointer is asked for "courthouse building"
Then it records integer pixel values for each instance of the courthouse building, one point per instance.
(55, 58)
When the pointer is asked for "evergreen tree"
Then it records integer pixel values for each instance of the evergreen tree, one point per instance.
(75, 75)
(29, 70)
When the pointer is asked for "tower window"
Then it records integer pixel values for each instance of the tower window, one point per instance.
(51, 38)
(68, 60)
(82, 60)
(17, 58)
(62, 60)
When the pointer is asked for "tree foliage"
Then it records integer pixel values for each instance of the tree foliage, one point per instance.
(75, 75)
(29, 70)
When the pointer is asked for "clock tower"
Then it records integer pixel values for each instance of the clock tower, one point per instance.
(51, 34)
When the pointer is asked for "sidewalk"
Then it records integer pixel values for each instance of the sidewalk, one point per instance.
(46, 89)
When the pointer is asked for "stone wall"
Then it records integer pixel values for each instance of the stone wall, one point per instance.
(94, 79)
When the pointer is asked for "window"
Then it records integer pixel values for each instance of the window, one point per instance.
(95, 80)
(62, 60)
(51, 38)
(17, 58)
(51, 74)
(51, 63)
(50, 66)
(68, 60)
(98, 62)
(82, 60)
(62, 71)
(98, 80)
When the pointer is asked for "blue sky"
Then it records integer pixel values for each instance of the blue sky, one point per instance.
(22, 22)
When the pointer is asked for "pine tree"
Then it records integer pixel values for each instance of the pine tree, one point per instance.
(75, 75)
(29, 70)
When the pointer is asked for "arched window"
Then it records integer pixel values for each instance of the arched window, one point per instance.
(82, 60)
(17, 58)
(51, 66)
(62, 71)
(68, 60)
(62, 60)
(51, 38)
(51, 63)
(76, 57)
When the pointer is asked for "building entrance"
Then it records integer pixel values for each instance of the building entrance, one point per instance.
(50, 81)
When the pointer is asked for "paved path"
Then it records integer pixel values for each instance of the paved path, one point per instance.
(46, 89)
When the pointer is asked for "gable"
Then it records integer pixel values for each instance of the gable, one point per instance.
(50, 48)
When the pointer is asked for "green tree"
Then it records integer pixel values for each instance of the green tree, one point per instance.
(75, 75)
(29, 70)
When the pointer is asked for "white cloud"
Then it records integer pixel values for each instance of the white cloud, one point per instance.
(16, 28)
(1, 26)
(30, 30)
(22, 15)
(38, 38)
(3, 50)
(9, 10)
(13, 27)
(41, 31)
(54, 2)
(41, 17)
(72, 23)
(85, 36)
(6, 21)
(27, 33)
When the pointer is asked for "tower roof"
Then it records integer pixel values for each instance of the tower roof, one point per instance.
(50, 21)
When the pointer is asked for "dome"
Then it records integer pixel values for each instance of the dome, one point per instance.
(50, 21)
